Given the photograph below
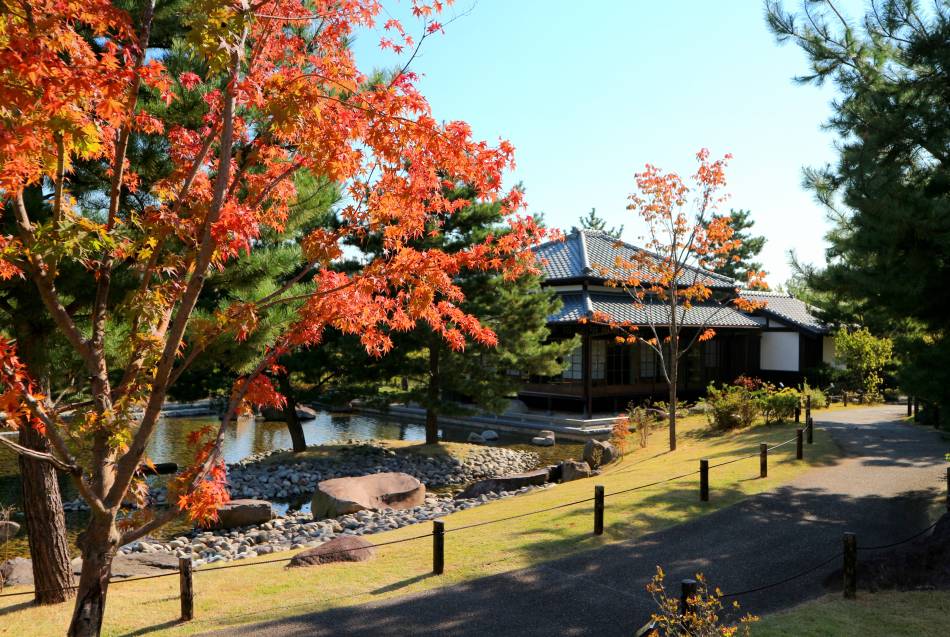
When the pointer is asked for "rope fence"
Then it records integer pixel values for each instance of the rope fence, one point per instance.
(439, 532)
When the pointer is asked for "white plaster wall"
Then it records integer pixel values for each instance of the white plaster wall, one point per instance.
(828, 352)
(779, 351)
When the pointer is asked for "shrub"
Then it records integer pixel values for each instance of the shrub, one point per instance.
(865, 356)
(640, 420)
(818, 398)
(701, 619)
(778, 405)
(731, 407)
(618, 434)
(749, 382)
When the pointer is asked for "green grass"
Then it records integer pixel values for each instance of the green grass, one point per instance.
(268, 591)
(883, 614)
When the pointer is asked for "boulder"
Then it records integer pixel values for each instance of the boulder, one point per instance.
(346, 548)
(16, 572)
(574, 470)
(544, 439)
(504, 483)
(303, 413)
(135, 564)
(598, 453)
(8, 529)
(340, 496)
(490, 435)
(243, 513)
(476, 438)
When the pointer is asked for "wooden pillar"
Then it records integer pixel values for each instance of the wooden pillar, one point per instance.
(588, 372)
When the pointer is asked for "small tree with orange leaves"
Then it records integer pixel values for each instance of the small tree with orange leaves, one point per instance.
(685, 240)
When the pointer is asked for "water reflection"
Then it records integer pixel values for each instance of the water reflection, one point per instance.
(170, 442)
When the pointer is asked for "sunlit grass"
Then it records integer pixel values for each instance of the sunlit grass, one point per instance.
(883, 614)
(267, 591)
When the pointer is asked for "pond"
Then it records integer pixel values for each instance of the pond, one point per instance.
(248, 436)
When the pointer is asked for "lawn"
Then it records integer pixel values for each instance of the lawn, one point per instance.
(883, 614)
(266, 591)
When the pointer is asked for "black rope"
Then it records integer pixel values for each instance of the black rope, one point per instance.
(893, 544)
(651, 484)
(787, 579)
(519, 515)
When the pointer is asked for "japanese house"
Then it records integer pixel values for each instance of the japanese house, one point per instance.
(779, 341)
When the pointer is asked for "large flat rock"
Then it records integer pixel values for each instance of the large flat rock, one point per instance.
(340, 496)
(504, 483)
(346, 548)
(19, 571)
(243, 512)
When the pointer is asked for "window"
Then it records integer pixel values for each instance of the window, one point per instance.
(618, 364)
(575, 365)
(647, 362)
(598, 359)
(711, 354)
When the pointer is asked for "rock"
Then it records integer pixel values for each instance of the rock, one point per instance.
(8, 529)
(490, 435)
(542, 442)
(574, 470)
(349, 548)
(340, 496)
(504, 483)
(16, 572)
(476, 438)
(546, 433)
(598, 453)
(243, 513)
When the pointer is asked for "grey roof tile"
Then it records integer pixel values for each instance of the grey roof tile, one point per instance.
(787, 308)
(620, 307)
(566, 259)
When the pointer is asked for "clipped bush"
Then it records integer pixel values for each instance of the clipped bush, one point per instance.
(777, 405)
(818, 398)
(731, 407)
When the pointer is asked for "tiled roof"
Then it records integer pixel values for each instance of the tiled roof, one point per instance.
(584, 253)
(620, 307)
(786, 308)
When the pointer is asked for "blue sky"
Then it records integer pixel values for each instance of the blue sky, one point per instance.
(588, 92)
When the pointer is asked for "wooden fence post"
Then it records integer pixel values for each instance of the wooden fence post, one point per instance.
(763, 460)
(807, 407)
(844, 398)
(916, 409)
(948, 489)
(798, 412)
(687, 590)
(799, 446)
(187, 589)
(810, 431)
(438, 546)
(599, 510)
(850, 569)
(704, 480)
(910, 406)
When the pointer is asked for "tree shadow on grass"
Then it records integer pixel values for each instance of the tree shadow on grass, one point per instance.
(9, 610)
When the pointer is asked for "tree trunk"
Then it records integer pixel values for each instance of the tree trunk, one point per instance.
(99, 542)
(290, 413)
(673, 411)
(45, 522)
(42, 500)
(432, 413)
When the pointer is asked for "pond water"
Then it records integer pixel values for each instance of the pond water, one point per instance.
(248, 436)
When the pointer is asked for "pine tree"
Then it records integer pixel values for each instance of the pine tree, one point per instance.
(593, 222)
(424, 370)
(888, 196)
(739, 262)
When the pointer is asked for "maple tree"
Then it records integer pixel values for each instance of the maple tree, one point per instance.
(686, 239)
(283, 94)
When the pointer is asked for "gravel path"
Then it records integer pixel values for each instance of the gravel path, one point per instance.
(881, 489)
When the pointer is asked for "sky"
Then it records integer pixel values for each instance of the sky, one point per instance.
(589, 92)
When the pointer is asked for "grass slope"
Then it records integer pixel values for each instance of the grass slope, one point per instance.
(256, 593)
(884, 614)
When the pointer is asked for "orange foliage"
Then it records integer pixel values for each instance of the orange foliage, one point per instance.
(279, 100)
